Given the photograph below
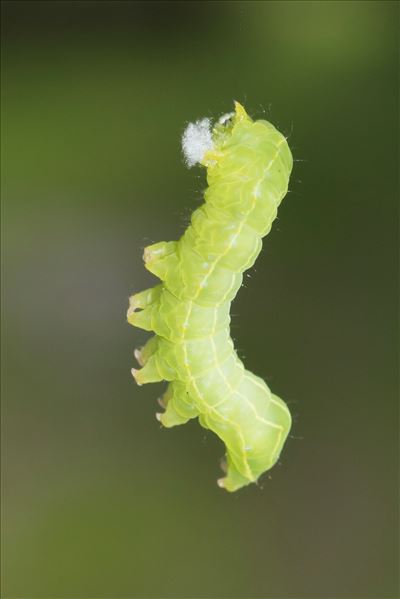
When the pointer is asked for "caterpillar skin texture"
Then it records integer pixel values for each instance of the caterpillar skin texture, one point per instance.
(248, 166)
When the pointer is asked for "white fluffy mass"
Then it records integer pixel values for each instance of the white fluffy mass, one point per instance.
(196, 141)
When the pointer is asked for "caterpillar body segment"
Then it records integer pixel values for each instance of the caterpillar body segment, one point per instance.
(248, 167)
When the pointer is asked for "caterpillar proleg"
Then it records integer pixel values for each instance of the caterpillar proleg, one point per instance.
(248, 167)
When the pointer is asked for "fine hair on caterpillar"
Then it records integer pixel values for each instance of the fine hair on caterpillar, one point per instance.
(248, 166)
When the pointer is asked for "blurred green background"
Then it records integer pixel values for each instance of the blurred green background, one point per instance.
(98, 501)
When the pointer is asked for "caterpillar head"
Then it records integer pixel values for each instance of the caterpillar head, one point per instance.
(201, 143)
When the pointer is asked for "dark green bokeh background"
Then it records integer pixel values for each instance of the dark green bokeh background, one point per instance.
(98, 501)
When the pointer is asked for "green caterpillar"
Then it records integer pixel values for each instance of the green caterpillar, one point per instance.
(248, 167)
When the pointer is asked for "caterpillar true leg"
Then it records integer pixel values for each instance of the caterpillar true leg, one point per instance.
(142, 354)
(150, 373)
(145, 301)
(160, 257)
(144, 298)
